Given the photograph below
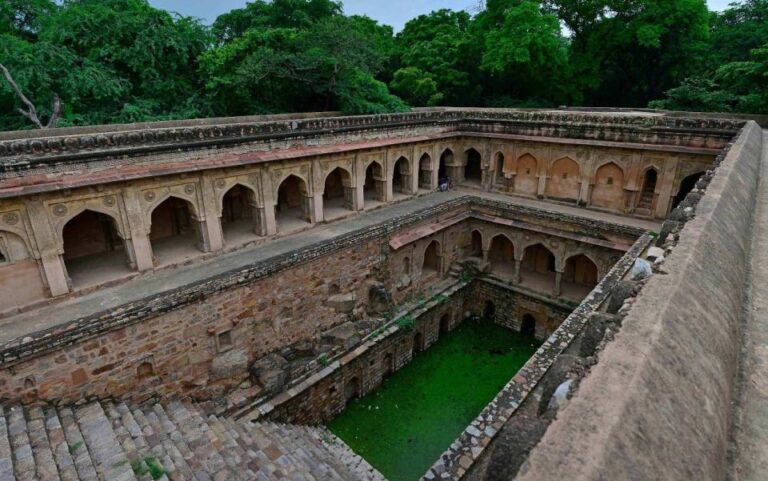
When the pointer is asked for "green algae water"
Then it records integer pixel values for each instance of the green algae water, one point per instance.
(405, 425)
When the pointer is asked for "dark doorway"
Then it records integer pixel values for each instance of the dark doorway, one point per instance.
(473, 171)
(649, 189)
(528, 326)
(388, 364)
(238, 215)
(445, 324)
(352, 389)
(489, 311)
(686, 186)
(93, 249)
(418, 343)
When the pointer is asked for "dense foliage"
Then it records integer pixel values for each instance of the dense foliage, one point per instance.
(126, 61)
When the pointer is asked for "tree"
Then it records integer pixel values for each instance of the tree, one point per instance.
(417, 87)
(31, 111)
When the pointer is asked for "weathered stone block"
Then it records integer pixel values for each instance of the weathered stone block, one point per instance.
(229, 364)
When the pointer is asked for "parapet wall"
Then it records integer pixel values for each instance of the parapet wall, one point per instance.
(658, 403)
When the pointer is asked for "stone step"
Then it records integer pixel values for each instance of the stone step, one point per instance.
(41, 448)
(77, 447)
(23, 457)
(116, 441)
(6, 461)
(108, 457)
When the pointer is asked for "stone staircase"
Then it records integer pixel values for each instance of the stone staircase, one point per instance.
(116, 441)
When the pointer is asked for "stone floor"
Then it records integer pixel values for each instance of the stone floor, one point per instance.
(751, 463)
(115, 441)
(151, 283)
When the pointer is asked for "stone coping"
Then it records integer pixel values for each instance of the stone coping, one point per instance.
(471, 443)
(50, 148)
(264, 406)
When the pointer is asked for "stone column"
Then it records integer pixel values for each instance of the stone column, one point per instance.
(138, 224)
(267, 210)
(48, 245)
(210, 220)
(518, 277)
(316, 207)
(667, 186)
(558, 283)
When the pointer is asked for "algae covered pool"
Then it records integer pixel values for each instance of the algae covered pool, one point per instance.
(405, 425)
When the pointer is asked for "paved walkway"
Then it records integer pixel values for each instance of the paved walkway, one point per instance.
(751, 462)
(152, 283)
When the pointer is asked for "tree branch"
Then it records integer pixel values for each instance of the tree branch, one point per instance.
(31, 112)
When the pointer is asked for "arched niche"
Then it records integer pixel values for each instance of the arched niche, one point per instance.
(537, 270)
(564, 180)
(175, 233)
(94, 251)
(338, 194)
(374, 186)
(473, 167)
(501, 256)
(292, 210)
(527, 178)
(240, 220)
(608, 191)
(579, 276)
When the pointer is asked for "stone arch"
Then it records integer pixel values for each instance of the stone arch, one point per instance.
(685, 187)
(580, 269)
(240, 221)
(499, 167)
(527, 178)
(352, 389)
(564, 179)
(445, 158)
(20, 273)
(473, 166)
(538, 267)
(98, 209)
(93, 250)
(425, 172)
(646, 199)
(338, 194)
(374, 183)
(476, 244)
(292, 209)
(175, 233)
(401, 175)
(501, 255)
(431, 260)
(608, 191)
(445, 323)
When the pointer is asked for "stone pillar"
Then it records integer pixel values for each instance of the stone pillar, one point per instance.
(518, 265)
(542, 189)
(486, 253)
(558, 283)
(267, 210)
(666, 186)
(316, 207)
(415, 168)
(48, 245)
(138, 224)
(211, 222)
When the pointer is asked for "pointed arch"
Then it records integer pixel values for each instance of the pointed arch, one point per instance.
(580, 276)
(476, 244)
(338, 194)
(685, 187)
(501, 255)
(527, 178)
(608, 191)
(499, 167)
(175, 234)
(425, 172)
(431, 259)
(473, 166)
(401, 175)
(564, 179)
(538, 267)
(94, 251)
(292, 203)
(647, 198)
(446, 157)
(239, 215)
(374, 183)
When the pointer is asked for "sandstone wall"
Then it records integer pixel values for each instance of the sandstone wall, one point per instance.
(658, 404)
